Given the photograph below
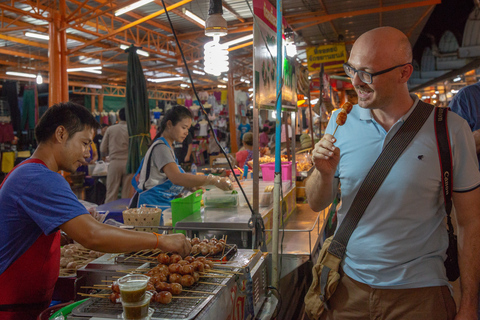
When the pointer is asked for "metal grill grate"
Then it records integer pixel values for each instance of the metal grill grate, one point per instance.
(177, 309)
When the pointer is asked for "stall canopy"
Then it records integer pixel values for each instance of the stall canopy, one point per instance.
(137, 111)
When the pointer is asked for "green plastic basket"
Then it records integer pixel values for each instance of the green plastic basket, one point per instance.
(183, 207)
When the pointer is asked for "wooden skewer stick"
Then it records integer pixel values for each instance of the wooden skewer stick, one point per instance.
(176, 297)
(214, 277)
(335, 130)
(215, 284)
(92, 295)
(194, 291)
(95, 287)
(223, 272)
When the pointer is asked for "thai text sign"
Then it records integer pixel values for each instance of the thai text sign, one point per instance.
(332, 56)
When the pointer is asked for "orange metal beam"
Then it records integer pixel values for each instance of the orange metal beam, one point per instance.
(424, 15)
(330, 17)
(243, 45)
(179, 13)
(9, 63)
(22, 54)
(22, 12)
(239, 18)
(128, 26)
(23, 41)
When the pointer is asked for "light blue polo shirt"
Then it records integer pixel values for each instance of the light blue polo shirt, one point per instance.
(400, 241)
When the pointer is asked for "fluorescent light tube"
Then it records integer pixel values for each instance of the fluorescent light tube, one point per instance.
(140, 52)
(21, 74)
(87, 69)
(194, 17)
(132, 6)
(199, 72)
(157, 80)
(221, 86)
(239, 40)
(37, 35)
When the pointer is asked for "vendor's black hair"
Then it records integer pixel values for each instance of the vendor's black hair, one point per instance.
(175, 115)
(72, 116)
(121, 114)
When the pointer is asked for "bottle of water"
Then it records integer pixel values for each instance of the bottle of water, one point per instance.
(194, 169)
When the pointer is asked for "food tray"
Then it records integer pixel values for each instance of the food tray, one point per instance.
(177, 309)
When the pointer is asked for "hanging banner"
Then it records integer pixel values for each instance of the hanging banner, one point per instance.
(332, 56)
(265, 60)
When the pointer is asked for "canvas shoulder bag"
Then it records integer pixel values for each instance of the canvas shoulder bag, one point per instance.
(325, 271)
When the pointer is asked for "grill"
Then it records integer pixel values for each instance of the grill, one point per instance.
(229, 252)
(177, 309)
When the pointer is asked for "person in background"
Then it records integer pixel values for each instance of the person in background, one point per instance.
(98, 139)
(466, 104)
(183, 152)
(243, 128)
(247, 154)
(264, 139)
(36, 202)
(115, 146)
(213, 148)
(394, 262)
(160, 179)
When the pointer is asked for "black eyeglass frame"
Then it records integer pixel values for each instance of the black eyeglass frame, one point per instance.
(355, 71)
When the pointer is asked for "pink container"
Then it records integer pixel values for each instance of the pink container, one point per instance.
(268, 171)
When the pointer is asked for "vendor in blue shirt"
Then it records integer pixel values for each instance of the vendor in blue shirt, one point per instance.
(36, 202)
(160, 179)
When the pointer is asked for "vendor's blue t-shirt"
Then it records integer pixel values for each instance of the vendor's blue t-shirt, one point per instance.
(33, 200)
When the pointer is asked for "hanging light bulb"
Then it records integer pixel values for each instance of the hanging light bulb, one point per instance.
(216, 57)
(39, 79)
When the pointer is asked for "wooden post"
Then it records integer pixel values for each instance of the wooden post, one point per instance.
(92, 103)
(231, 114)
(57, 57)
(100, 103)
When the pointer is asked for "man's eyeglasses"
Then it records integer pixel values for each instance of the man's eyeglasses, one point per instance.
(365, 76)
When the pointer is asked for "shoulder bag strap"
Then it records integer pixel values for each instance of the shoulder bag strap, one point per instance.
(377, 175)
(445, 155)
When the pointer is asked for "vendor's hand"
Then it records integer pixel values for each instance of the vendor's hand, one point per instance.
(176, 243)
(187, 159)
(325, 156)
(222, 183)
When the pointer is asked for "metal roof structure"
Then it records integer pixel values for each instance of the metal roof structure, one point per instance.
(94, 34)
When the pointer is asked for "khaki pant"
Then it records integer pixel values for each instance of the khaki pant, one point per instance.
(355, 300)
(117, 175)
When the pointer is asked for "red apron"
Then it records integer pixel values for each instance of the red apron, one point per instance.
(26, 287)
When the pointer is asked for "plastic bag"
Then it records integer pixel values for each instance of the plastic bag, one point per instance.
(101, 168)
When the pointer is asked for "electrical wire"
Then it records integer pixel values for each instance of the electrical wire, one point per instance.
(280, 301)
(256, 219)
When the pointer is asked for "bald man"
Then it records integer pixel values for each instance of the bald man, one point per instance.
(394, 263)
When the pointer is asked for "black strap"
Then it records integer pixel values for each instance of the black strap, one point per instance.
(377, 175)
(445, 155)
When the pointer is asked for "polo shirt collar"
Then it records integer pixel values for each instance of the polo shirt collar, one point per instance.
(366, 114)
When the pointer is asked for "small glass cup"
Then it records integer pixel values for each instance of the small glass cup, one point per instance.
(133, 287)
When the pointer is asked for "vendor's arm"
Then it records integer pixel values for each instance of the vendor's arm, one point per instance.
(321, 184)
(467, 206)
(104, 238)
(189, 180)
